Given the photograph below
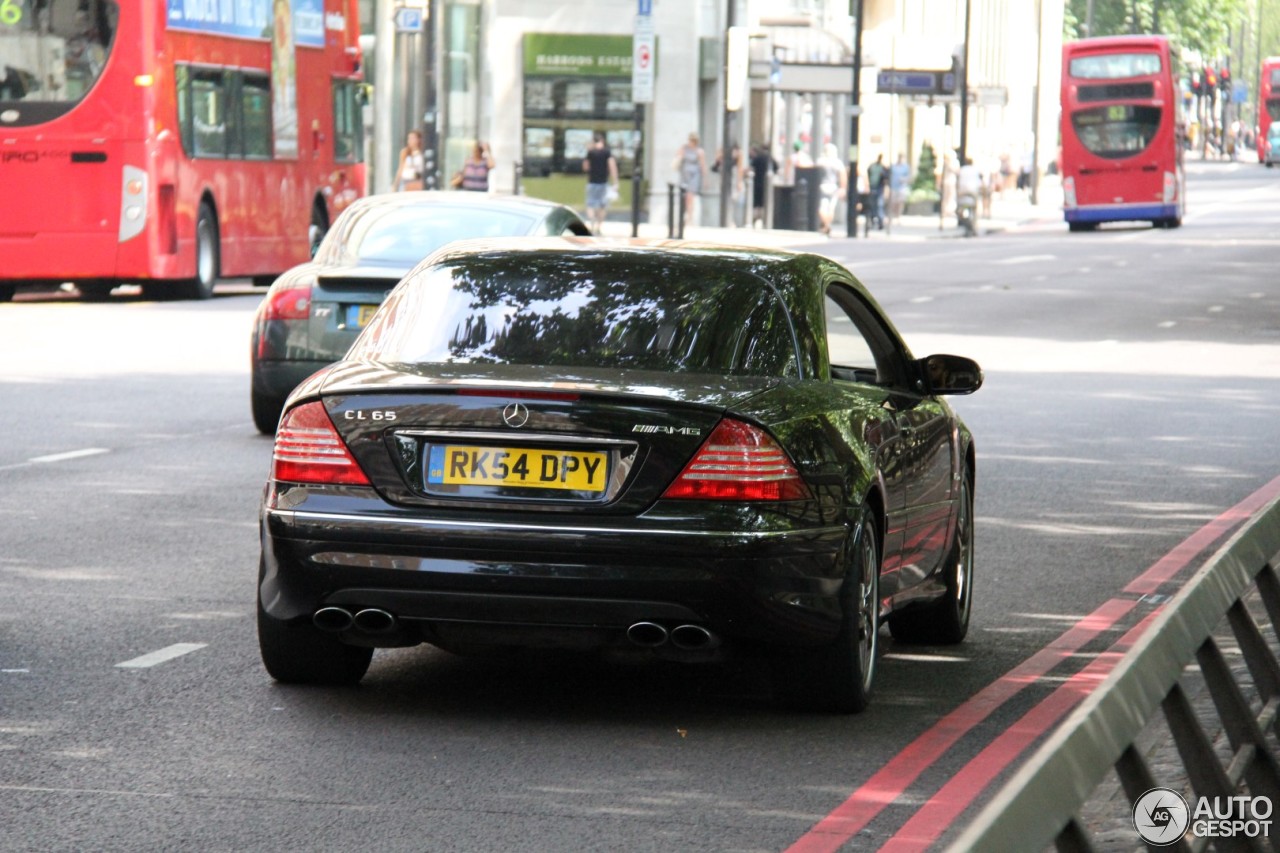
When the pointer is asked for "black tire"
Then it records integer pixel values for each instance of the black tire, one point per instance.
(946, 621)
(200, 286)
(95, 291)
(7, 291)
(266, 411)
(840, 676)
(1076, 227)
(300, 653)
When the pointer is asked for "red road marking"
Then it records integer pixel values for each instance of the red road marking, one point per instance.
(889, 783)
(932, 819)
(891, 780)
(1170, 564)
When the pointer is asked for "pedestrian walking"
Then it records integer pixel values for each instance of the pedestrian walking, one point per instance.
(762, 167)
(602, 176)
(899, 186)
(877, 182)
(691, 165)
(476, 169)
(409, 174)
(833, 187)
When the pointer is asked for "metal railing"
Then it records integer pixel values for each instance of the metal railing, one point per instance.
(1040, 806)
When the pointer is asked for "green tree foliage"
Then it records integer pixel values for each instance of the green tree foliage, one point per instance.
(1208, 27)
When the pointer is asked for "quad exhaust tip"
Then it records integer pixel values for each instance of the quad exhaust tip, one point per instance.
(370, 620)
(693, 637)
(647, 634)
(651, 635)
(332, 619)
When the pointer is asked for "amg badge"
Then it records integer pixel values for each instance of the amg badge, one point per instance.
(669, 430)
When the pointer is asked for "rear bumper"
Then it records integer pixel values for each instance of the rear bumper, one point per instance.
(83, 256)
(275, 379)
(772, 587)
(1121, 212)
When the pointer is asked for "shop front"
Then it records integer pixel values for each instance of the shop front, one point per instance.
(574, 87)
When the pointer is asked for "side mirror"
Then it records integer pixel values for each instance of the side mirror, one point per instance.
(950, 374)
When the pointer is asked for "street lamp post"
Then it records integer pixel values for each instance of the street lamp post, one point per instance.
(726, 166)
(851, 191)
(964, 89)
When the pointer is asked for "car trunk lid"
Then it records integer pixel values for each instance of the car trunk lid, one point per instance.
(460, 439)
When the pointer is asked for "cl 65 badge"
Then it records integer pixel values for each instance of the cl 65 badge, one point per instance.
(374, 415)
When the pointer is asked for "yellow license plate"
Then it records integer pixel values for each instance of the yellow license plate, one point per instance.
(530, 468)
(358, 316)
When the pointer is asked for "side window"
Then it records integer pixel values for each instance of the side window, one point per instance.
(208, 113)
(860, 345)
(348, 126)
(182, 81)
(849, 352)
(231, 88)
(255, 109)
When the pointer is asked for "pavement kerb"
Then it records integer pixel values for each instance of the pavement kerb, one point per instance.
(1007, 215)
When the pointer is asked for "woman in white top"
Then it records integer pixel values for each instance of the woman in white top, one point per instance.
(409, 172)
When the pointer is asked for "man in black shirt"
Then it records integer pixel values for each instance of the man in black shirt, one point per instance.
(602, 174)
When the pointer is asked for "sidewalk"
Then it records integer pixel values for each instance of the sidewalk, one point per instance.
(1013, 211)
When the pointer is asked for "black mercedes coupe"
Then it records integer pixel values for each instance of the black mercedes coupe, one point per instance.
(684, 450)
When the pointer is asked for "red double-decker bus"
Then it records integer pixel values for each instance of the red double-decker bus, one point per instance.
(1122, 133)
(171, 142)
(1268, 102)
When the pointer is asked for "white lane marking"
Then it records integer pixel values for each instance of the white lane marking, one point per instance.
(1028, 259)
(70, 454)
(165, 654)
(926, 658)
(56, 457)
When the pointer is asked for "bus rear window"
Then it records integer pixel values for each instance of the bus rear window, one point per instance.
(1117, 131)
(53, 51)
(1115, 66)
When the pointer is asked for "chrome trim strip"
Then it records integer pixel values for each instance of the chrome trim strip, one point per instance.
(295, 517)
(519, 438)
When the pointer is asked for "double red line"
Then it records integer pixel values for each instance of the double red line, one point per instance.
(933, 818)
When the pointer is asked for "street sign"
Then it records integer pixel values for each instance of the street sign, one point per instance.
(902, 82)
(642, 59)
(408, 19)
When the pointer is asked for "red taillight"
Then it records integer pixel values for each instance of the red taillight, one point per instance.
(309, 450)
(290, 303)
(739, 462)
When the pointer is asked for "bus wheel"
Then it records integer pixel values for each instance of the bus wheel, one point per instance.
(1169, 222)
(201, 285)
(1082, 226)
(6, 292)
(318, 228)
(95, 291)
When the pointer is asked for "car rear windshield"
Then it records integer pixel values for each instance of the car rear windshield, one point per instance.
(404, 235)
(528, 309)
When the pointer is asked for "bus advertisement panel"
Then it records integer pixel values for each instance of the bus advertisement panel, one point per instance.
(1268, 104)
(1122, 134)
(169, 143)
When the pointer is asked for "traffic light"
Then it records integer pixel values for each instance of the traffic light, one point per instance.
(1210, 79)
(1197, 88)
(1224, 79)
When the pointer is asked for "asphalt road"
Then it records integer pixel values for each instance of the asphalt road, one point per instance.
(1130, 401)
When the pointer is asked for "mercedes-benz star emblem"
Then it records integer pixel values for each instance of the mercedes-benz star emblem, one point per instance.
(515, 415)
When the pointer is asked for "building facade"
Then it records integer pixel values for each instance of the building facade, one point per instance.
(536, 78)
